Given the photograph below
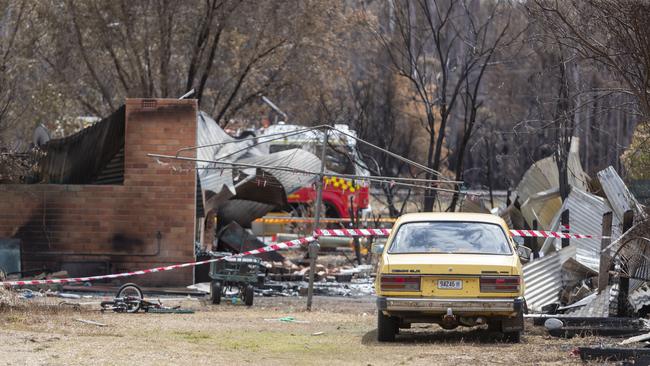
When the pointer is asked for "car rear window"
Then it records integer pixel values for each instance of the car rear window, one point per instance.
(450, 237)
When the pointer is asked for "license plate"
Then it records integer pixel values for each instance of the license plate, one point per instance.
(450, 284)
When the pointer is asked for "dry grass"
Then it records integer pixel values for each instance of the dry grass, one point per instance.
(234, 335)
(8, 299)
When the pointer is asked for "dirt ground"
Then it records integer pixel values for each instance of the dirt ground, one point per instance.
(339, 331)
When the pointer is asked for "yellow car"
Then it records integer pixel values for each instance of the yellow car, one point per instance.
(451, 269)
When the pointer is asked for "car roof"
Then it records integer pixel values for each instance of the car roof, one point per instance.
(452, 216)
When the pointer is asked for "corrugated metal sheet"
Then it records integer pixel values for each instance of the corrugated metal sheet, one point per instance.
(295, 158)
(257, 191)
(543, 176)
(543, 278)
(242, 211)
(639, 297)
(81, 157)
(585, 217)
(634, 258)
(618, 195)
(541, 207)
(597, 307)
(113, 172)
(208, 134)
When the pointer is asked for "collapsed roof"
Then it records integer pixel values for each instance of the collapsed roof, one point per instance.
(94, 155)
(242, 192)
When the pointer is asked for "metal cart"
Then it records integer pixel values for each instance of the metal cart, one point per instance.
(240, 273)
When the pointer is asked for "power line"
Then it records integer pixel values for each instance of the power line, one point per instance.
(380, 179)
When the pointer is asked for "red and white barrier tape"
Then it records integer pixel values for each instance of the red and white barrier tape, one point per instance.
(386, 232)
(548, 234)
(351, 232)
(272, 248)
(266, 249)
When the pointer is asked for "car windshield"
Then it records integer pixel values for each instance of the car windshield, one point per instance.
(450, 237)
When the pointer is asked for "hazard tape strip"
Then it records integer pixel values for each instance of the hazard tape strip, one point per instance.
(548, 234)
(270, 248)
(290, 220)
(386, 232)
(351, 232)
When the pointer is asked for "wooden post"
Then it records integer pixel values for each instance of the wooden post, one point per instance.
(565, 227)
(624, 281)
(603, 272)
(354, 222)
(314, 246)
(532, 242)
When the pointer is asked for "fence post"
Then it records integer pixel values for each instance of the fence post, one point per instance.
(624, 281)
(603, 271)
(565, 227)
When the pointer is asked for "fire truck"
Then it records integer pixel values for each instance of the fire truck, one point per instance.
(341, 196)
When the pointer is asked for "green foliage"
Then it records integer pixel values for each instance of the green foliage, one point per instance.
(636, 157)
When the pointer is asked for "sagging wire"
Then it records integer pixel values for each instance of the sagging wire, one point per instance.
(390, 180)
(282, 134)
(396, 156)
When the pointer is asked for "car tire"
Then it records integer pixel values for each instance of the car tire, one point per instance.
(512, 337)
(494, 325)
(515, 336)
(215, 293)
(387, 327)
(249, 294)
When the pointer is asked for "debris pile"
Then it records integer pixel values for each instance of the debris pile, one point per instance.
(580, 276)
(325, 272)
(592, 286)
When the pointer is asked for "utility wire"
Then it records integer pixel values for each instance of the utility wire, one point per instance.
(248, 139)
(230, 165)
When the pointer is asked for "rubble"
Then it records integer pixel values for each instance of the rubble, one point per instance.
(641, 356)
(234, 238)
(568, 276)
(568, 289)
(571, 326)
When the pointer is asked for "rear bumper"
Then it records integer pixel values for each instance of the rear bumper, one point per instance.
(458, 306)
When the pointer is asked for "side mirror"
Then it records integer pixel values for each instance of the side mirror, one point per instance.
(519, 240)
(524, 253)
(377, 248)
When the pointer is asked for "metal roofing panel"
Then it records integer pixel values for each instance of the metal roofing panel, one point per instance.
(80, 158)
(618, 195)
(598, 307)
(295, 158)
(220, 185)
(639, 297)
(543, 278)
(242, 211)
(585, 217)
(542, 176)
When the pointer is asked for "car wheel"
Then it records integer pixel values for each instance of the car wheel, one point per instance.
(494, 325)
(512, 337)
(215, 293)
(249, 294)
(386, 327)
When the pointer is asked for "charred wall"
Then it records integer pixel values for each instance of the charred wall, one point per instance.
(147, 221)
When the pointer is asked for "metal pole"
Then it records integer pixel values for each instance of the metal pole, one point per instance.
(315, 246)
(564, 219)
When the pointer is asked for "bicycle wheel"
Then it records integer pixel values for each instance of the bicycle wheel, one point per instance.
(132, 297)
